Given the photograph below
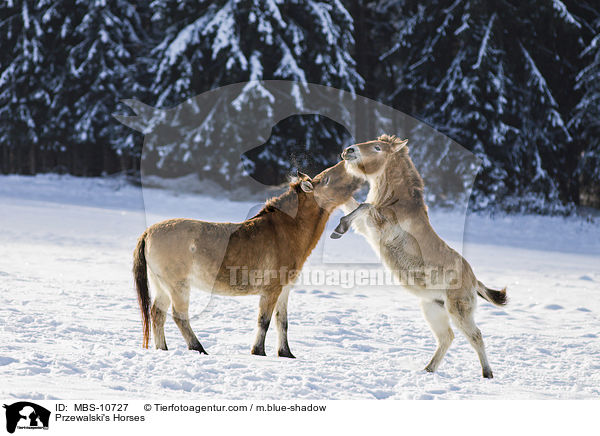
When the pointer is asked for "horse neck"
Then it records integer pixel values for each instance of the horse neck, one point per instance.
(310, 223)
(393, 186)
(385, 188)
(307, 219)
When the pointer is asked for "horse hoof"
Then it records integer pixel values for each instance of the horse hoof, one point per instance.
(200, 349)
(258, 352)
(488, 374)
(341, 228)
(335, 235)
(287, 354)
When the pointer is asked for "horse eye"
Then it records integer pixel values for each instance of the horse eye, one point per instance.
(326, 180)
(377, 148)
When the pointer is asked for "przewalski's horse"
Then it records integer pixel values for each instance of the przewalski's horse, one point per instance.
(260, 256)
(394, 220)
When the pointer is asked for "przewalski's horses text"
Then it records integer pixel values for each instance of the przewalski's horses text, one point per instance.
(394, 220)
(260, 256)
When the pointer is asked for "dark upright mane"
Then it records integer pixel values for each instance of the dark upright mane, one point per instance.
(286, 202)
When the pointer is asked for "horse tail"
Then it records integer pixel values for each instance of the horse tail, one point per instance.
(140, 275)
(495, 297)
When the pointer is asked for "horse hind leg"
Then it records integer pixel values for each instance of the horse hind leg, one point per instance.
(181, 317)
(159, 317)
(158, 312)
(461, 312)
(436, 316)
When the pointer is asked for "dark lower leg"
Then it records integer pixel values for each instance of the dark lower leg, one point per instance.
(259, 343)
(183, 322)
(346, 221)
(265, 310)
(284, 348)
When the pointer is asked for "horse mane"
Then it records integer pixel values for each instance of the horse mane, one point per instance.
(286, 202)
(392, 140)
(401, 180)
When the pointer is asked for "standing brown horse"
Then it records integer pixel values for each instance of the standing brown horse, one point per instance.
(395, 222)
(260, 256)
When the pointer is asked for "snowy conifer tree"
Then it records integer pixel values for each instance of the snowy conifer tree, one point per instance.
(64, 66)
(209, 45)
(586, 122)
(103, 63)
(24, 95)
(475, 71)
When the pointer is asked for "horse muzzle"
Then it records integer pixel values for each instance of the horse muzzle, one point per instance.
(349, 154)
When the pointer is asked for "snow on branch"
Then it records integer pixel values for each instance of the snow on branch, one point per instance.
(322, 11)
(181, 41)
(484, 42)
(226, 36)
(564, 13)
(537, 77)
(275, 13)
(593, 44)
(288, 67)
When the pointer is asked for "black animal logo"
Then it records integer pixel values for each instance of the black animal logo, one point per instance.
(26, 414)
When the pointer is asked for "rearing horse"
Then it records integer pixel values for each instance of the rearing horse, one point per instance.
(395, 221)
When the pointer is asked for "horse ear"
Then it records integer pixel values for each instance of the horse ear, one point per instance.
(302, 176)
(400, 145)
(306, 186)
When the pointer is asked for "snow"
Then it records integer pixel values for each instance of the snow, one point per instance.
(71, 326)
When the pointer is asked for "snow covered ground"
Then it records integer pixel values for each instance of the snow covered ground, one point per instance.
(70, 325)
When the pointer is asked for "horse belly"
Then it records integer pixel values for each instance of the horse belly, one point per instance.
(222, 281)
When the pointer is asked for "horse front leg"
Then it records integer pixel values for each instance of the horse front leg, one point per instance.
(265, 311)
(349, 205)
(282, 324)
(346, 221)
